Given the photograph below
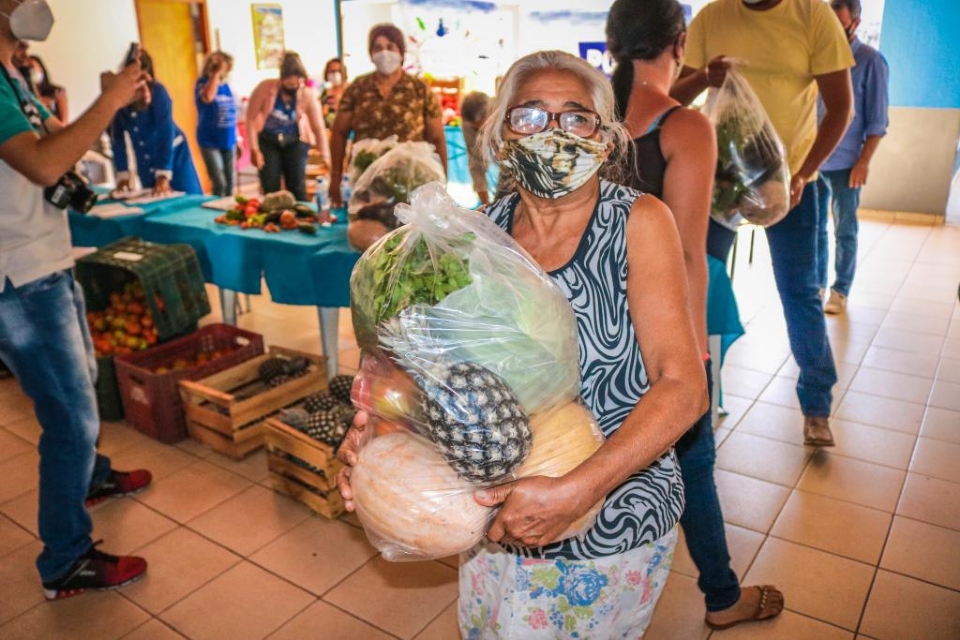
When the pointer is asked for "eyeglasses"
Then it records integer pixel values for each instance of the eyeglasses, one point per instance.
(526, 121)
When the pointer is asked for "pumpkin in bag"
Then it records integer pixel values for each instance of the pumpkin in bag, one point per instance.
(563, 437)
(410, 501)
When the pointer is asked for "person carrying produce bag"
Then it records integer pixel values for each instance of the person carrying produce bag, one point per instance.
(615, 255)
(791, 51)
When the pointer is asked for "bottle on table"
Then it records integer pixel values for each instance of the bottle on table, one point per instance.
(346, 190)
(323, 194)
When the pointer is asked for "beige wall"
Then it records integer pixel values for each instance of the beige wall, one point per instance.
(912, 169)
(90, 36)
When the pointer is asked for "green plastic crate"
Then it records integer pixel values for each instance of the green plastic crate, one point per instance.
(109, 401)
(169, 274)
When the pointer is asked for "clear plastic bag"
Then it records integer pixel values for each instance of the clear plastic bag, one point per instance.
(390, 180)
(468, 346)
(365, 152)
(752, 181)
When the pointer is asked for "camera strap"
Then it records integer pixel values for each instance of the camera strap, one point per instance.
(27, 106)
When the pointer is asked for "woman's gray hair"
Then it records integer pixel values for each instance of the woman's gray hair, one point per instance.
(596, 84)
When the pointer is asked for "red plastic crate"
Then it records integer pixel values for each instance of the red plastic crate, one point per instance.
(151, 401)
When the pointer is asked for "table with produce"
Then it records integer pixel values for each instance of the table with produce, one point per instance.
(271, 239)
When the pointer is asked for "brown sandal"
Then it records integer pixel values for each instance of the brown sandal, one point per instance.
(767, 592)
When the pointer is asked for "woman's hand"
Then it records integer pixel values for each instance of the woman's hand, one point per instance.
(256, 158)
(358, 435)
(161, 186)
(123, 185)
(535, 512)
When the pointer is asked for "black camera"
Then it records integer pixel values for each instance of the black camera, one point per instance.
(71, 191)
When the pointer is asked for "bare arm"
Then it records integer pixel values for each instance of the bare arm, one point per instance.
(342, 126)
(209, 90)
(692, 82)
(255, 124)
(690, 146)
(44, 160)
(315, 116)
(837, 95)
(536, 510)
(434, 135)
(62, 106)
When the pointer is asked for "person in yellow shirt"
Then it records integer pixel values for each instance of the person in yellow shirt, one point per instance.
(789, 51)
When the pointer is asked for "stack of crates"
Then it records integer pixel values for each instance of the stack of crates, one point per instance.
(176, 297)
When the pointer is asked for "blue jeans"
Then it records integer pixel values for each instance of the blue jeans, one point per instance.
(45, 341)
(702, 519)
(834, 189)
(288, 162)
(793, 250)
(222, 169)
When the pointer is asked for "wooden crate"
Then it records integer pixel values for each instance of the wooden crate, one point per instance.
(315, 487)
(221, 414)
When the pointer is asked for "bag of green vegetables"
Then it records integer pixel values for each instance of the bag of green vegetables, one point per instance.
(450, 285)
(752, 181)
(469, 375)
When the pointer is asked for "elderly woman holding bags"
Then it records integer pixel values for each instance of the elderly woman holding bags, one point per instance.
(615, 253)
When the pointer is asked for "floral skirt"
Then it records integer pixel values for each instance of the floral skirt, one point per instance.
(507, 597)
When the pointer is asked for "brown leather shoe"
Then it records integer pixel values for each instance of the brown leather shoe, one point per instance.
(816, 431)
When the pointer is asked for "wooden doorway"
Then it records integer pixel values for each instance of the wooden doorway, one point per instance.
(174, 32)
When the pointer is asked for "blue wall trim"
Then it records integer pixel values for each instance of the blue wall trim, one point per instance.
(921, 41)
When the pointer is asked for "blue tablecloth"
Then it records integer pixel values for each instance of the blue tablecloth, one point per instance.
(91, 231)
(723, 316)
(237, 259)
(458, 169)
(328, 267)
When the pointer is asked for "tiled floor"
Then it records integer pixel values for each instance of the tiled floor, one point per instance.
(864, 539)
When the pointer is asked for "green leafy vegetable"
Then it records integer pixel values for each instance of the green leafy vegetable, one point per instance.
(403, 270)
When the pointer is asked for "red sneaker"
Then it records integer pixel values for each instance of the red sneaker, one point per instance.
(119, 484)
(98, 571)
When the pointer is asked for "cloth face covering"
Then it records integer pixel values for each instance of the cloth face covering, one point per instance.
(386, 61)
(31, 20)
(553, 163)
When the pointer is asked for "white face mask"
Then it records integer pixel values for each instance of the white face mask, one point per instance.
(387, 61)
(335, 78)
(31, 20)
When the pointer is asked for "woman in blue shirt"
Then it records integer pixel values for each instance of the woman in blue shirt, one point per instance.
(283, 121)
(217, 122)
(161, 151)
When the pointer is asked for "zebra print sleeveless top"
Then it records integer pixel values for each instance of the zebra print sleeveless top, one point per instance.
(613, 378)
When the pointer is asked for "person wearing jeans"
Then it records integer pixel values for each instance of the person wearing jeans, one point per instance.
(283, 119)
(834, 189)
(217, 122)
(44, 338)
(674, 159)
(845, 171)
(791, 51)
(793, 249)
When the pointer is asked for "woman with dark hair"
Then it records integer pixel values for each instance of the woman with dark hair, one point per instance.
(53, 96)
(384, 103)
(675, 155)
(334, 83)
(163, 157)
(217, 122)
(283, 121)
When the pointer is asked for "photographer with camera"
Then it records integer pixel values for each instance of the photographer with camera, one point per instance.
(44, 337)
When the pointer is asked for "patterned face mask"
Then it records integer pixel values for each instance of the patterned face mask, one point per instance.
(553, 163)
